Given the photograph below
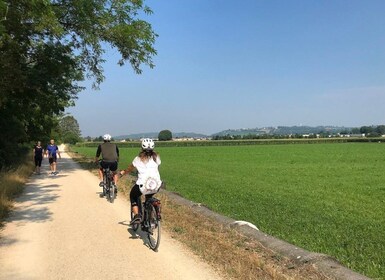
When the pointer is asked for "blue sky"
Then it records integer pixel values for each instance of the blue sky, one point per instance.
(242, 64)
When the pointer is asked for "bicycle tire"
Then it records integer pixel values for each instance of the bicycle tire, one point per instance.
(111, 192)
(107, 187)
(153, 233)
(104, 184)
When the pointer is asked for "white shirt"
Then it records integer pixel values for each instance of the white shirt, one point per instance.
(147, 170)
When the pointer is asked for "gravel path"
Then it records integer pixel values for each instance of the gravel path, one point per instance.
(61, 229)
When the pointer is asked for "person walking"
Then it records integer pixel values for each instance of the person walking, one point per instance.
(52, 152)
(38, 153)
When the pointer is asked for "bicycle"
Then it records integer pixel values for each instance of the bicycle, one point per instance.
(108, 186)
(150, 222)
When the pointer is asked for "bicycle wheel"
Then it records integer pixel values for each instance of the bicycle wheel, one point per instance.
(105, 181)
(111, 193)
(154, 229)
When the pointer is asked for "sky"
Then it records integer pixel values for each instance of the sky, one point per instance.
(225, 64)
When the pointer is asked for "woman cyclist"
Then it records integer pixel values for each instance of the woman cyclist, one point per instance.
(148, 183)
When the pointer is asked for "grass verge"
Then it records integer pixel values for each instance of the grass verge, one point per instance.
(12, 183)
(233, 255)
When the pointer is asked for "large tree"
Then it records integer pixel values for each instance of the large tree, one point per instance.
(48, 46)
(165, 135)
(69, 130)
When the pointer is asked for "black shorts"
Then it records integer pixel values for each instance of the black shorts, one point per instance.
(38, 161)
(135, 195)
(113, 165)
(52, 160)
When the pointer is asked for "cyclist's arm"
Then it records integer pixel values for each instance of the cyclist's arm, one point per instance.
(117, 152)
(98, 151)
(129, 169)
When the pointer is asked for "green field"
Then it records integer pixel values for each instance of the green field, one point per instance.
(327, 198)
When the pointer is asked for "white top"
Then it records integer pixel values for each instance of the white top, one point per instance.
(148, 174)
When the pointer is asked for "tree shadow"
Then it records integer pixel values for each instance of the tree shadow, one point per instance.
(6, 241)
(31, 205)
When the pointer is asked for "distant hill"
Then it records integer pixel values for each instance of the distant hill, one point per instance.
(154, 135)
(283, 130)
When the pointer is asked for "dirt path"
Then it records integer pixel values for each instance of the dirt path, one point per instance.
(61, 229)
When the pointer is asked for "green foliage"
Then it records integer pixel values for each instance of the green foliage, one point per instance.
(48, 46)
(165, 135)
(327, 198)
(69, 130)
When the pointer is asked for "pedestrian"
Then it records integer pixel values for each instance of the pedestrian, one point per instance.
(148, 183)
(38, 153)
(52, 152)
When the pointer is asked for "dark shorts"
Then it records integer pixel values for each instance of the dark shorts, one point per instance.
(52, 160)
(135, 195)
(38, 161)
(113, 165)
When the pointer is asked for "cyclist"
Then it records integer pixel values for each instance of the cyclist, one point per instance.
(148, 183)
(110, 156)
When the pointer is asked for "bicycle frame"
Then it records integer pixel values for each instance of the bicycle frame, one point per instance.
(108, 188)
(150, 211)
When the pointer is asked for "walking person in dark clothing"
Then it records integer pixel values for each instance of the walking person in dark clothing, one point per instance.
(38, 153)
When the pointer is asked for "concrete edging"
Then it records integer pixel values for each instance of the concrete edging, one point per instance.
(324, 263)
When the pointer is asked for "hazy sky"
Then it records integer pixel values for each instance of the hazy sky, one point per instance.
(242, 64)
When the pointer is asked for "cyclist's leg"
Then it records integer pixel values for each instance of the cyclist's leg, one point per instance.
(135, 200)
(100, 171)
(114, 168)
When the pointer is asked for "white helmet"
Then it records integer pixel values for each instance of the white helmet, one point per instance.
(148, 144)
(107, 137)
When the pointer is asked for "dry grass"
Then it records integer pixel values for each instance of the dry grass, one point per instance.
(233, 255)
(12, 184)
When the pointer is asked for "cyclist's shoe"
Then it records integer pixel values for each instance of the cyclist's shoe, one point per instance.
(101, 184)
(135, 220)
(144, 228)
(101, 195)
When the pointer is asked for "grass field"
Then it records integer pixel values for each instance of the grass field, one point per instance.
(328, 198)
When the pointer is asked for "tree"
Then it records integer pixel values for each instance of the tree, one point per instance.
(48, 46)
(69, 130)
(366, 129)
(165, 135)
(380, 129)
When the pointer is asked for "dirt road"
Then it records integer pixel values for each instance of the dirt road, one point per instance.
(61, 229)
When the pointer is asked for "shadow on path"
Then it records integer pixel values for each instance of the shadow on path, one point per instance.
(31, 205)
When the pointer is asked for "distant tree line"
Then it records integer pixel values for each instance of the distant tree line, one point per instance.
(368, 131)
